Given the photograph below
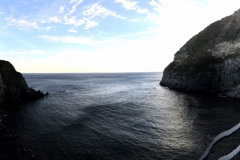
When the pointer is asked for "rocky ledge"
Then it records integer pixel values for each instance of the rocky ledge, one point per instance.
(13, 88)
(209, 61)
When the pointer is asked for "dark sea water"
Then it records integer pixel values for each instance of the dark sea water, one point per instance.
(118, 116)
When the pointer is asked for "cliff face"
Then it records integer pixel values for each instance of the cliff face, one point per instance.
(209, 61)
(13, 87)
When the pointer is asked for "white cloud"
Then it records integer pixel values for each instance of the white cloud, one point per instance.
(43, 21)
(90, 24)
(48, 28)
(181, 20)
(54, 19)
(132, 5)
(74, 7)
(21, 24)
(177, 21)
(79, 40)
(95, 10)
(142, 10)
(67, 39)
(147, 32)
(125, 52)
(135, 20)
(155, 18)
(157, 6)
(72, 1)
(72, 31)
(61, 10)
(73, 21)
(74, 60)
(128, 5)
(191, 14)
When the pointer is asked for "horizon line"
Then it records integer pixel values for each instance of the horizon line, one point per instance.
(88, 72)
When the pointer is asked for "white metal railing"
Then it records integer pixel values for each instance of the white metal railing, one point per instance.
(217, 138)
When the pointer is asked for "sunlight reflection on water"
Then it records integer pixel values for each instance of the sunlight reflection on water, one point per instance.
(118, 116)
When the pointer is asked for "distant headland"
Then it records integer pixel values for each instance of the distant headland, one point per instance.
(209, 61)
(13, 87)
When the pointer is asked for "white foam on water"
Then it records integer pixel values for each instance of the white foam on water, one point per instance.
(217, 138)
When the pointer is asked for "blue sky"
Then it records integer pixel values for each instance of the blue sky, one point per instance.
(102, 35)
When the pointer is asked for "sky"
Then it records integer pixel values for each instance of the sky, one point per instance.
(85, 36)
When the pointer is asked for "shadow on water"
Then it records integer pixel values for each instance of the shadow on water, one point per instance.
(118, 116)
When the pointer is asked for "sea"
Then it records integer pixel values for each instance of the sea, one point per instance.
(117, 116)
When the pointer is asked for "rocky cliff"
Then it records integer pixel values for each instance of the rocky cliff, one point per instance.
(209, 61)
(13, 87)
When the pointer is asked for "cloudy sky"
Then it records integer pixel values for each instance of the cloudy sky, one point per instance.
(101, 35)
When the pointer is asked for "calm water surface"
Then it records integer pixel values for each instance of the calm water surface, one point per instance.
(118, 116)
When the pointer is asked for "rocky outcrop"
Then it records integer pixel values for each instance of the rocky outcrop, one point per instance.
(209, 61)
(13, 87)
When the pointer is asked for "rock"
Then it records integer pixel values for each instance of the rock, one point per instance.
(1, 124)
(3, 157)
(10, 136)
(209, 61)
(32, 155)
(13, 87)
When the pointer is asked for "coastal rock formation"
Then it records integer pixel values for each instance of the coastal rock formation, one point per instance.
(209, 61)
(13, 87)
